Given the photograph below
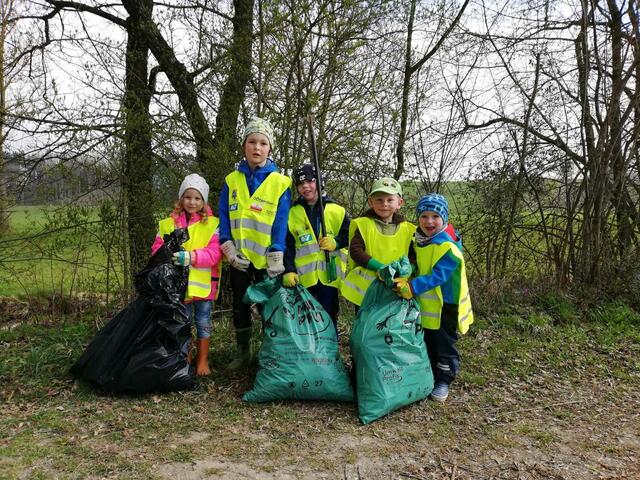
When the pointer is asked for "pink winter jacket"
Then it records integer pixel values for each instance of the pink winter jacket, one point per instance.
(208, 256)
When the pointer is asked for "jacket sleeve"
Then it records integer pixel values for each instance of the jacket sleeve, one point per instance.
(412, 255)
(210, 255)
(281, 223)
(342, 239)
(442, 271)
(224, 229)
(290, 254)
(357, 250)
(157, 243)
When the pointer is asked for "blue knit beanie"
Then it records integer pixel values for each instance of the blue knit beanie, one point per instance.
(434, 202)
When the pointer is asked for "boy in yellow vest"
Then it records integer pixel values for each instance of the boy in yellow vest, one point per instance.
(441, 289)
(305, 257)
(254, 209)
(379, 237)
(202, 255)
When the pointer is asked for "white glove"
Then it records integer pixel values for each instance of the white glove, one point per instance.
(182, 258)
(235, 259)
(274, 264)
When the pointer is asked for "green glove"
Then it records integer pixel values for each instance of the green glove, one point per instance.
(376, 266)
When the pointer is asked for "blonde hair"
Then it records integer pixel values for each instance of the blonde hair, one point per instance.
(178, 209)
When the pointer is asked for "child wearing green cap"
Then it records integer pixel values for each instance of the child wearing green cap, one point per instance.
(379, 237)
(441, 289)
(254, 209)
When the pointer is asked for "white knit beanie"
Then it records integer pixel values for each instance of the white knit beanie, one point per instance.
(196, 182)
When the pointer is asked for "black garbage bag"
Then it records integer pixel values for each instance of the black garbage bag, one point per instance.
(144, 347)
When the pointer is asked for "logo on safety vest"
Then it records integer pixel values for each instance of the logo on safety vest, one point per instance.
(305, 238)
(256, 207)
(262, 200)
(233, 207)
(234, 194)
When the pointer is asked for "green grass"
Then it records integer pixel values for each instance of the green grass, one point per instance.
(516, 375)
(517, 367)
(543, 438)
(60, 250)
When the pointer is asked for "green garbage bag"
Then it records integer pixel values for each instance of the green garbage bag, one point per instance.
(299, 356)
(390, 358)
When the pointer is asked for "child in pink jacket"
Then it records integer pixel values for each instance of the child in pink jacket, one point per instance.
(201, 254)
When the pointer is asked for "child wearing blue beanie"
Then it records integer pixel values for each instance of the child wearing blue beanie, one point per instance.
(441, 288)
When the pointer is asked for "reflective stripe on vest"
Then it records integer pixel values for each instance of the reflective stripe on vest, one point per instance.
(384, 248)
(310, 261)
(431, 301)
(200, 233)
(252, 217)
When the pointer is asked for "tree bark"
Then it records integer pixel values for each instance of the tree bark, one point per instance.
(622, 204)
(6, 11)
(522, 168)
(224, 147)
(590, 231)
(138, 159)
(180, 79)
(409, 70)
(406, 86)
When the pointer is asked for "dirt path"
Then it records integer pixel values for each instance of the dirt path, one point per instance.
(554, 403)
(569, 433)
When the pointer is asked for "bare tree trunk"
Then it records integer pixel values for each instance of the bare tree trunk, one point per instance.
(619, 164)
(260, 66)
(181, 80)
(521, 168)
(225, 143)
(635, 138)
(409, 70)
(592, 209)
(406, 87)
(212, 155)
(138, 162)
(6, 10)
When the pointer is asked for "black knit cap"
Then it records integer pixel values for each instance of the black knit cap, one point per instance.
(306, 171)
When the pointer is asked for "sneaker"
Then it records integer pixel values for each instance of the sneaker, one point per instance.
(440, 392)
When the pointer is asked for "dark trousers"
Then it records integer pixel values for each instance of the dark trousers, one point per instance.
(240, 281)
(441, 346)
(328, 298)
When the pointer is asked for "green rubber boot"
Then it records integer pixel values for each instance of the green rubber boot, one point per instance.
(243, 357)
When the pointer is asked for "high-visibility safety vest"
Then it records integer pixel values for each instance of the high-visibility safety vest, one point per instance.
(431, 301)
(252, 216)
(200, 233)
(384, 248)
(310, 260)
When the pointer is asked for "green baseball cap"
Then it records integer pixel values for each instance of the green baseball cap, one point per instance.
(386, 185)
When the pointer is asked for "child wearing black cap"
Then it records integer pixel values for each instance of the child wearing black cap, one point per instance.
(305, 257)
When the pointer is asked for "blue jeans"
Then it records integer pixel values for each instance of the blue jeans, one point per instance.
(200, 314)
